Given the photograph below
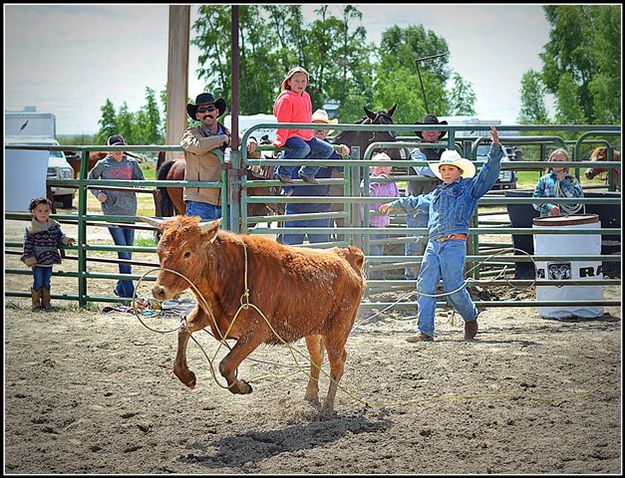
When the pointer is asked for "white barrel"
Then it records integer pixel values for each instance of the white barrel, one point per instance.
(574, 245)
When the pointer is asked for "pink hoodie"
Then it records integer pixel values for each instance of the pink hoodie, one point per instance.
(292, 108)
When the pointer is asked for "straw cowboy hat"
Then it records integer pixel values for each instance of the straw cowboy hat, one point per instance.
(289, 75)
(206, 99)
(452, 158)
(321, 116)
(431, 119)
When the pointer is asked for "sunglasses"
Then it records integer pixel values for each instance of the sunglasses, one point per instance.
(206, 109)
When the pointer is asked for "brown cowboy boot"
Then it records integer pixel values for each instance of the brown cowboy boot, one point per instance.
(420, 337)
(36, 297)
(470, 330)
(45, 299)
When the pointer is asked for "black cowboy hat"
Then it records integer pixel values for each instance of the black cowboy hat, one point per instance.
(431, 119)
(205, 99)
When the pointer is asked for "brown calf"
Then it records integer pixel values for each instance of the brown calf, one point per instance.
(307, 293)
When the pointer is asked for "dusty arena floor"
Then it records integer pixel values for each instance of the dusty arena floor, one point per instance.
(93, 392)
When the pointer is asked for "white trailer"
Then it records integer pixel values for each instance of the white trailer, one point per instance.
(30, 127)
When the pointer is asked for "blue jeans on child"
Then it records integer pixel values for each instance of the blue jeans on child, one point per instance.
(203, 210)
(297, 148)
(41, 278)
(443, 260)
(416, 247)
(123, 236)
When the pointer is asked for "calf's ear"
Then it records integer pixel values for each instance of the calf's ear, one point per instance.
(210, 229)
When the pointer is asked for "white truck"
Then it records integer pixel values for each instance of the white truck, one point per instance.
(30, 127)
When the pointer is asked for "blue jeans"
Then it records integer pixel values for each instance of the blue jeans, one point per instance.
(443, 260)
(297, 148)
(203, 210)
(417, 247)
(41, 278)
(377, 250)
(293, 239)
(123, 236)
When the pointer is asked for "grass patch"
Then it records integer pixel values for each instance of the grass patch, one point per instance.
(145, 242)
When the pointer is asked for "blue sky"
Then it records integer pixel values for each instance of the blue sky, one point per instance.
(68, 59)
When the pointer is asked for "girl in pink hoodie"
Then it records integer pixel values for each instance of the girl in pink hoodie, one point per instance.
(293, 105)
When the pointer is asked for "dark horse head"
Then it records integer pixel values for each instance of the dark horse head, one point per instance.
(364, 138)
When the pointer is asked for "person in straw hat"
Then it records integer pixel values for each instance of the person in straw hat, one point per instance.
(293, 105)
(449, 207)
(320, 116)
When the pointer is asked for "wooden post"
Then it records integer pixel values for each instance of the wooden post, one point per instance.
(177, 74)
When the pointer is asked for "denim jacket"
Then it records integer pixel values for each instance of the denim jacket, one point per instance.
(450, 206)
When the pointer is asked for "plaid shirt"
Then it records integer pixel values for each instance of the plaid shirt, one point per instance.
(547, 186)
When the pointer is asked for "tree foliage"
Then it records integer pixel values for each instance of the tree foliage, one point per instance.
(142, 127)
(533, 109)
(582, 62)
(462, 98)
(334, 50)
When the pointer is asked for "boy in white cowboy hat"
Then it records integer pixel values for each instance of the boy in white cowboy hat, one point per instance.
(427, 183)
(450, 207)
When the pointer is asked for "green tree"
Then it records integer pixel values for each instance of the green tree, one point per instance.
(533, 109)
(125, 121)
(152, 131)
(108, 122)
(397, 80)
(584, 50)
(462, 97)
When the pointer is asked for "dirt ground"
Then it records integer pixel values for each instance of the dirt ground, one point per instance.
(93, 392)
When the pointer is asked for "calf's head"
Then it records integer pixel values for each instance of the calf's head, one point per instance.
(183, 248)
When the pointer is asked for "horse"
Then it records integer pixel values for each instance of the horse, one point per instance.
(172, 197)
(601, 154)
(364, 138)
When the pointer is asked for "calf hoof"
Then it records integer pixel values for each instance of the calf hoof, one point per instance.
(186, 376)
(326, 412)
(240, 387)
(312, 398)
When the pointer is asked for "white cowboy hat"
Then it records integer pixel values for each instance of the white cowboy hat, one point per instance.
(321, 116)
(452, 158)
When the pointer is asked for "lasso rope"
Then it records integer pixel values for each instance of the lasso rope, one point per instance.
(464, 284)
(245, 304)
(567, 209)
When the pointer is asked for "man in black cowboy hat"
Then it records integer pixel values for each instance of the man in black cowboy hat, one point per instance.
(428, 182)
(199, 143)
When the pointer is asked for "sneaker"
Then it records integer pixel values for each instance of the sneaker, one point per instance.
(286, 179)
(420, 337)
(308, 179)
(470, 330)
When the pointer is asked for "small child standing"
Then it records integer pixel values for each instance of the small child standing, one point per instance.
(293, 105)
(380, 189)
(41, 242)
(557, 183)
(450, 207)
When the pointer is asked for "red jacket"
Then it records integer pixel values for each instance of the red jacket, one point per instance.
(292, 108)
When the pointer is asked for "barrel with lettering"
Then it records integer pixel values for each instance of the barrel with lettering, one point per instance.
(569, 269)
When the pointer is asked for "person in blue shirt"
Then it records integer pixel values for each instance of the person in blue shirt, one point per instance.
(449, 208)
(428, 182)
